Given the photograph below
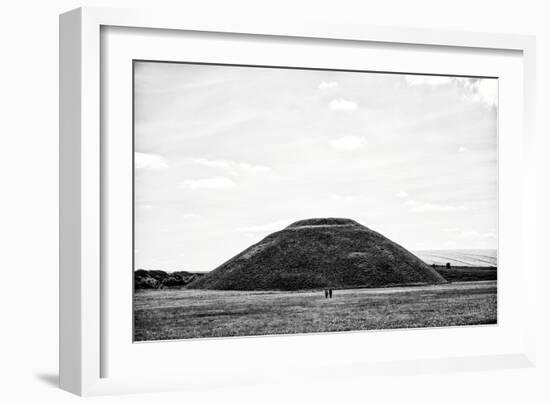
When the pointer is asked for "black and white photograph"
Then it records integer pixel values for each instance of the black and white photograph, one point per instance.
(272, 200)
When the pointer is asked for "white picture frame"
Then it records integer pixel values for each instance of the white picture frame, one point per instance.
(83, 306)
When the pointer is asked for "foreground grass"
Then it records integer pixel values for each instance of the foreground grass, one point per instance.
(181, 314)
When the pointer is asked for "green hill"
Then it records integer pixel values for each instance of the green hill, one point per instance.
(317, 253)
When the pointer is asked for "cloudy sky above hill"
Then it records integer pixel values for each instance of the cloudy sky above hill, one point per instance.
(226, 155)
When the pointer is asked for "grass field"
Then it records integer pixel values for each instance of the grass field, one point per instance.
(467, 273)
(182, 313)
(459, 257)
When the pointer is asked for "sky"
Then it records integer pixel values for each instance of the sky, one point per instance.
(225, 155)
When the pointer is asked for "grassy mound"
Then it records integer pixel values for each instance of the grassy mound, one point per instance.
(317, 253)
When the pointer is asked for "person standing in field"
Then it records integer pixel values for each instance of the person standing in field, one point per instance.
(330, 292)
(326, 293)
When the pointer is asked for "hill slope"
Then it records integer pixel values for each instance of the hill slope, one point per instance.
(317, 253)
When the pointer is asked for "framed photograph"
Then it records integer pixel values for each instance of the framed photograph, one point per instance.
(242, 202)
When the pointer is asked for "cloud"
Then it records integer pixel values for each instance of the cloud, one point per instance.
(231, 166)
(149, 161)
(476, 235)
(337, 197)
(462, 149)
(348, 143)
(191, 215)
(343, 105)
(449, 244)
(432, 81)
(402, 194)
(451, 229)
(269, 227)
(477, 240)
(421, 207)
(328, 85)
(208, 183)
(482, 90)
(478, 90)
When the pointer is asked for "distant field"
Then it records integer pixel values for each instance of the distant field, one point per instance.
(182, 313)
(459, 257)
(467, 273)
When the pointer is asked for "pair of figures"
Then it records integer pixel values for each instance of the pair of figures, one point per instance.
(328, 293)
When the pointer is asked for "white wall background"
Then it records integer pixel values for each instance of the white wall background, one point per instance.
(29, 186)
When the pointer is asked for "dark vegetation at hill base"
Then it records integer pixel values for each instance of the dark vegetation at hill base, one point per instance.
(467, 273)
(317, 253)
(146, 280)
(154, 279)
